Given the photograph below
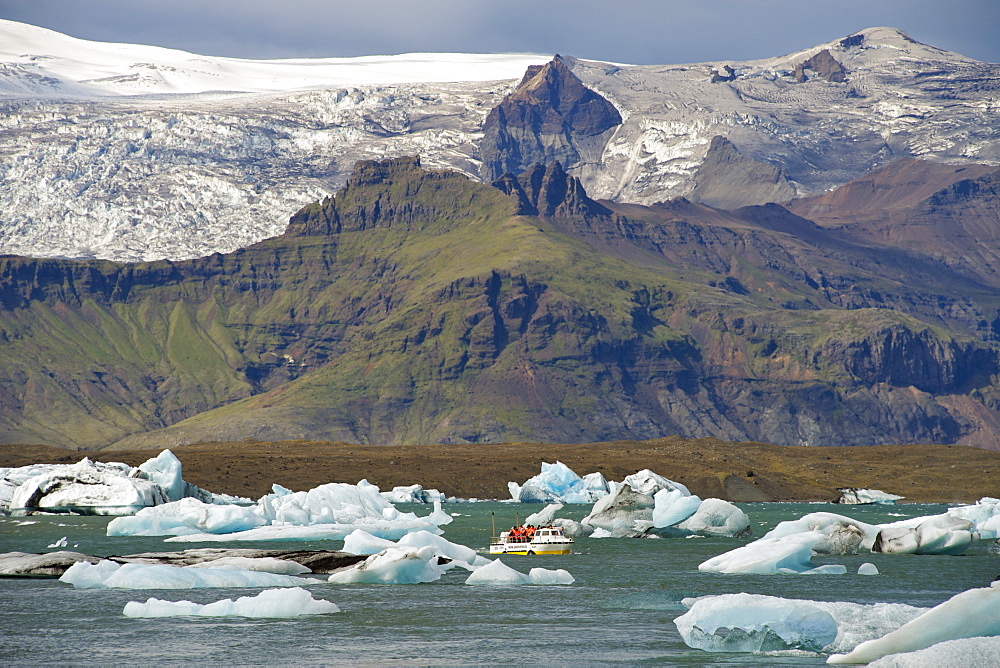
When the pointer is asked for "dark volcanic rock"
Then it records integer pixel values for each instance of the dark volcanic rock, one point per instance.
(824, 65)
(551, 116)
(549, 191)
(728, 180)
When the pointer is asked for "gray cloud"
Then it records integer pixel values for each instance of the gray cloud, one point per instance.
(635, 31)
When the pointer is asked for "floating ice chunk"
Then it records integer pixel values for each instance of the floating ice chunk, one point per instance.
(601, 533)
(258, 564)
(292, 602)
(499, 573)
(939, 534)
(442, 547)
(62, 542)
(647, 482)
(755, 624)
(716, 517)
(867, 569)
(362, 542)
(544, 576)
(332, 503)
(377, 527)
(788, 554)
(99, 489)
(108, 574)
(967, 652)
(844, 535)
(673, 506)
(972, 613)
(571, 527)
(165, 471)
(186, 516)
(413, 494)
(545, 516)
(751, 623)
(393, 565)
(624, 512)
(854, 496)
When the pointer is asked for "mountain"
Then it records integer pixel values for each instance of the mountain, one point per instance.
(422, 306)
(130, 153)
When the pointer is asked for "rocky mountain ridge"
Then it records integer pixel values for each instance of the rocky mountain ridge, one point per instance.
(421, 306)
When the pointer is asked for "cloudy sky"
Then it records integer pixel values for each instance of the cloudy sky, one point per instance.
(632, 31)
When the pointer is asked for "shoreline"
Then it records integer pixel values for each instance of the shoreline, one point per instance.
(745, 472)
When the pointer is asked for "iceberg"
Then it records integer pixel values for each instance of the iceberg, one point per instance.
(970, 614)
(672, 506)
(967, 652)
(557, 483)
(393, 565)
(647, 482)
(716, 517)
(110, 575)
(99, 488)
(258, 564)
(756, 623)
(787, 554)
(499, 573)
(940, 534)
(292, 602)
(362, 542)
(184, 517)
(545, 516)
(854, 496)
(624, 513)
(413, 494)
(327, 512)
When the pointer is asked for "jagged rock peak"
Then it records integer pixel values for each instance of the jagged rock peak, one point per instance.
(550, 116)
(729, 180)
(547, 190)
(824, 65)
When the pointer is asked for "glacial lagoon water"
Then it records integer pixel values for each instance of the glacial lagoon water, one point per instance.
(619, 611)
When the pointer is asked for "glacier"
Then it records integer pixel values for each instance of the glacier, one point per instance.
(133, 153)
(269, 603)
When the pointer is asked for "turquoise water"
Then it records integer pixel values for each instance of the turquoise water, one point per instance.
(620, 610)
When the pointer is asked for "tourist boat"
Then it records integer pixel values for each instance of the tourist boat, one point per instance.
(532, 540)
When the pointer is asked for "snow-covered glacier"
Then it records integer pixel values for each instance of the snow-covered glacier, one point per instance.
(132, 153)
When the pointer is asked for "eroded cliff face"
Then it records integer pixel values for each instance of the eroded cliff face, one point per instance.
(550, 117)
(419, 306)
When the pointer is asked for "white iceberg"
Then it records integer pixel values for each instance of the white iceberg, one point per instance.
(110, 575)
(855, 496)
(499, 573)
(756, 623)
(967, 653)
(413, 494)
(293, 602)
(716, 517)
(788, 554)
(672, 506)
(939, 534)
(545, 516)
(393, 565)
(327, 512)
(970, 614)
(99, 488)
(362, 542)
(647, 482)
(258, 564)
(187, 516)
(867, 569)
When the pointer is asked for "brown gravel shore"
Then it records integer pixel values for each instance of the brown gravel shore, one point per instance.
(710, 468)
